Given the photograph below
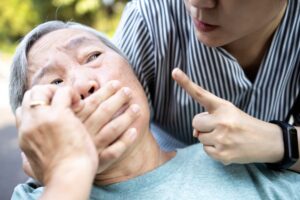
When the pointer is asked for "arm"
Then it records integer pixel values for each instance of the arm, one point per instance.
(229, 134)
(70, 182)
(58, 147)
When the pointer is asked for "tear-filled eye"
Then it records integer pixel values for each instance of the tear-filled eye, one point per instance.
(93, 56)
(57, 81)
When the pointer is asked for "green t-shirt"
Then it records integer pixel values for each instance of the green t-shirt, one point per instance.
(191, 174)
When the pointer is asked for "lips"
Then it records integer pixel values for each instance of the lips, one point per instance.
(204, 27)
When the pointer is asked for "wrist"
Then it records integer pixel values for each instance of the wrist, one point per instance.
(80, 165)
(290, 146)
(270, 148)
(76, 176)
(277, 145)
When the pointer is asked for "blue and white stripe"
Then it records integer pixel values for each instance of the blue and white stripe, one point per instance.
(157, 36)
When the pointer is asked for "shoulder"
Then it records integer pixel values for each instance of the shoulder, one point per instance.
(290, 23)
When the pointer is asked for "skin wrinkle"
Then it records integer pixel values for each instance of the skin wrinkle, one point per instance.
(106, 67)
(49, 69)
(75, 43)
(82, 42)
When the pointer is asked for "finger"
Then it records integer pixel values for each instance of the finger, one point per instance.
(118, 148)
(108, 109)
(202, 96)
(26, 99)
(206, 139)
(195, 133)
(26, 166)
(65, 97)
(112, 130)
(40, 93)
(211, 151)
(204, 122)
(92, 102)
(18, 116)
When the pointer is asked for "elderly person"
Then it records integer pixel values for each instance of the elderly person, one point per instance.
(78, 85)
(244, 52)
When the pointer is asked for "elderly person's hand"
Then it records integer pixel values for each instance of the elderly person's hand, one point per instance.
(57, 145)
(107, 115)
(229, 134)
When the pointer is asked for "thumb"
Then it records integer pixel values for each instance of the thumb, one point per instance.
(210, 101)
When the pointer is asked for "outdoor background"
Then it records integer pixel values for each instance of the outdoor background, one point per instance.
(17, 17)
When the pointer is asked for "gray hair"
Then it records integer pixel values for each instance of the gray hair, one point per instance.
(18, 74)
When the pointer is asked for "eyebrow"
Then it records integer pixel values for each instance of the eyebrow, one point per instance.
(48, 69)
(79, 41)
(74, 43)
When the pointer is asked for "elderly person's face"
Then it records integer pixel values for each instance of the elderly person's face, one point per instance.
(220, 22)
(79, 59)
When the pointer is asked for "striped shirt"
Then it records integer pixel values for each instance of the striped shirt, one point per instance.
(158, 35)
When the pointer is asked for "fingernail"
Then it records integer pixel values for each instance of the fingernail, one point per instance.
(176, 72)
(132, 134)
(135, 108)
(127, 91)
(115, 84)
(194, 133)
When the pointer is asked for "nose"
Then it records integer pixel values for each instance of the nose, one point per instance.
(85, 87)
(202, 4)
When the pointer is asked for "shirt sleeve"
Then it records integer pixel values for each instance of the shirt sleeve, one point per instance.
(135, 41)
(27, 191)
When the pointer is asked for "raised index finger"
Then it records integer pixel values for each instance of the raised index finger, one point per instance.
(202, 96)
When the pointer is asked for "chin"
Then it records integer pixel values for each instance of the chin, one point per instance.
(210, 40)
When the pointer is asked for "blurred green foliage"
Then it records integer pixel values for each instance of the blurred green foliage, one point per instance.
(17, 17)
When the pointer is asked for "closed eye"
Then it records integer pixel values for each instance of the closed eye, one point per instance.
(94, 56)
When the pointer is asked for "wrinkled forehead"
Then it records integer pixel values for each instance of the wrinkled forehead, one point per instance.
(66, 39)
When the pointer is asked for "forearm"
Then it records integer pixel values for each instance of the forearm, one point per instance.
(69, 183)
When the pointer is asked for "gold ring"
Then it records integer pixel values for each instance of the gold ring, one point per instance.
(37, 103)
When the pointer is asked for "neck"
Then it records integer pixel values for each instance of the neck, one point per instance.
(250, 50)
(145, 157)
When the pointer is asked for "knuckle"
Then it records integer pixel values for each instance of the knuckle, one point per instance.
(93, 102)
(134, 111)
(225, 158)
(113, 128)
(226, 123)
(105, 108)
(198, 93)
(223, 140)
(51, 120)
(125, 93)
(227, 104)
(112, 154)
(101, 141)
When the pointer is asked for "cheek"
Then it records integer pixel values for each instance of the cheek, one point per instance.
(110, 72)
